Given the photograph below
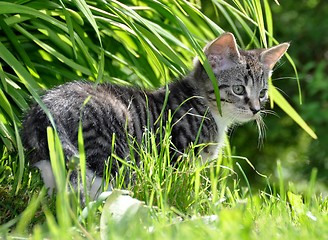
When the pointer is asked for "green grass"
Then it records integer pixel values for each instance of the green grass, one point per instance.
(186, 201)
(147, 43)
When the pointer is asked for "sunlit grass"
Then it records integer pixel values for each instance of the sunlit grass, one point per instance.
(145, 43)
(185, 200)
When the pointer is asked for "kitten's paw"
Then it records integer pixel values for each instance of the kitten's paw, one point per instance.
(47, 174)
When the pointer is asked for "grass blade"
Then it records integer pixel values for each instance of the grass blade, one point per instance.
(290, 111)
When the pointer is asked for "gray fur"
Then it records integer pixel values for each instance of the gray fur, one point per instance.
(120, 110)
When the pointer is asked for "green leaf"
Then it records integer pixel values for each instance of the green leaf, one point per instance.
(290, 111)
(83, 6)
(269, 22)
(27, 216)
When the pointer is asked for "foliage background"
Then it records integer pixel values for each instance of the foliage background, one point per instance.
(44, 51)
(64, 56)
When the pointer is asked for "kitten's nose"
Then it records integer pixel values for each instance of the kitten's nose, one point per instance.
(254, 106)
(254, 110)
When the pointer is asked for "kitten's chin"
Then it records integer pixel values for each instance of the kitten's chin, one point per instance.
(242, 120)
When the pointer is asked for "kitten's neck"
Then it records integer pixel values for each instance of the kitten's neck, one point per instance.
(223, 120)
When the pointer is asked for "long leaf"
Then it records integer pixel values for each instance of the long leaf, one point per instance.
(284, 105)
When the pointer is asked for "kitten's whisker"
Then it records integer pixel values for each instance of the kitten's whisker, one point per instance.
(268, 111)
(279, 65)
(283, 78)
(283, 92)
(261, 129)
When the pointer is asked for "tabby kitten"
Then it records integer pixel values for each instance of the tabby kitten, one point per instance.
(242, 78)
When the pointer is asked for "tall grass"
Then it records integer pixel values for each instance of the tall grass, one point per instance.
(138, 42)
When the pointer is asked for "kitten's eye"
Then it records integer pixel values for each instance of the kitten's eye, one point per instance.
(263, 93)
(238, 89)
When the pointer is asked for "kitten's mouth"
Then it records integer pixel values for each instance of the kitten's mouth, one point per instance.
(246, 116)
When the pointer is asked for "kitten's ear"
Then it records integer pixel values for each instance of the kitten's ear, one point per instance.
(225, 46)
(222, 52)
(271, 56)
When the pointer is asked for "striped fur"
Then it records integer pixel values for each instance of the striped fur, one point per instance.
(125, 111)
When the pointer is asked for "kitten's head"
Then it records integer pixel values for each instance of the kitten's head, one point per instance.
(242, 77)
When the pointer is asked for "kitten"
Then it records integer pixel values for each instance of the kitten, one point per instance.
(242, 79)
